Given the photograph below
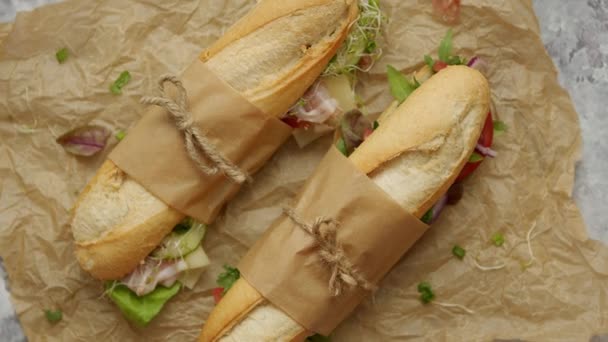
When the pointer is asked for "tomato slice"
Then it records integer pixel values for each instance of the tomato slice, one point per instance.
(439, 65)
(217, 294)
(485, 139)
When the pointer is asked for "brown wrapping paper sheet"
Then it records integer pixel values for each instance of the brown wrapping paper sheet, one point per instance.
(237, 129)
(373, 230)
(561, 297)
(5, 29)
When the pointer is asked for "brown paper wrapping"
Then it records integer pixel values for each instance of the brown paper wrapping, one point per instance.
(373, 230)
(153, 153)
(560, 297)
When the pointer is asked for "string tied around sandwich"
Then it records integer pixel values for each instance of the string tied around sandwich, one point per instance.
(343, 273)
(198, 146)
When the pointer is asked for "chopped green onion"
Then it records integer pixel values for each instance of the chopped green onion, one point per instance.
(459, 252)
(499, 126)
(427, 297)
(121, 81)
(341, 146)
(427, 217)
(400, 86)
(426, 292)
(498, 239)
(375, 125)
(62, 55)
(120, 135)
(475, 158)
(424, 286)
(53, 316)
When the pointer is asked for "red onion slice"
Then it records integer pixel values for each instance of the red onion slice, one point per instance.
(478, 64)
(438, 207)
(473, 61)
(486, 151)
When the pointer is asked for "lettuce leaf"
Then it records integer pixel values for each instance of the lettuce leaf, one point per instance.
(400, 86)
(227, 278)
(445, 51)
(445, 47)
(140, 310)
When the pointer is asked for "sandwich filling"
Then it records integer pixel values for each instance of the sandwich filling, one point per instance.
(354, 127)
(318, 112)
(177, 262)
(180, 259)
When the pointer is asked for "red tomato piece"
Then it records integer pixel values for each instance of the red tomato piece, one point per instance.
(485, 139)
(439, 65)
(217, 294)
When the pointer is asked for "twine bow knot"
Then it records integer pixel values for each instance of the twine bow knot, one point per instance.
(198, 145)
(343, 273)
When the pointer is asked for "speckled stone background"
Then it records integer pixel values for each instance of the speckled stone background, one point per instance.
(575, 33)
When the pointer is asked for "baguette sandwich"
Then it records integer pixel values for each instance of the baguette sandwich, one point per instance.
(415, 154)
(142, 247)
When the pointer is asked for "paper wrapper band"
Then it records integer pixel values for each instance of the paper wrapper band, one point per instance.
(153, 153)
(373, 230)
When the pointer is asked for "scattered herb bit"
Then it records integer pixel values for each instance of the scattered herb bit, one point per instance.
(499, 126)
(400, 86)
(475, 158)
(457, 306)
(459, 252)
(53, 316)
(62, 55)
(488, 268)
(120, 135)
(341, 146)
(498, 239)
(121, 81)
(318, 338)
(227, 278)
(426, 292)
(427, 217)
(85, 141)
(375, 125)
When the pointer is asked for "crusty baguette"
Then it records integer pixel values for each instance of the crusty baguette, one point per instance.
(414, 156)
(116, 222)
